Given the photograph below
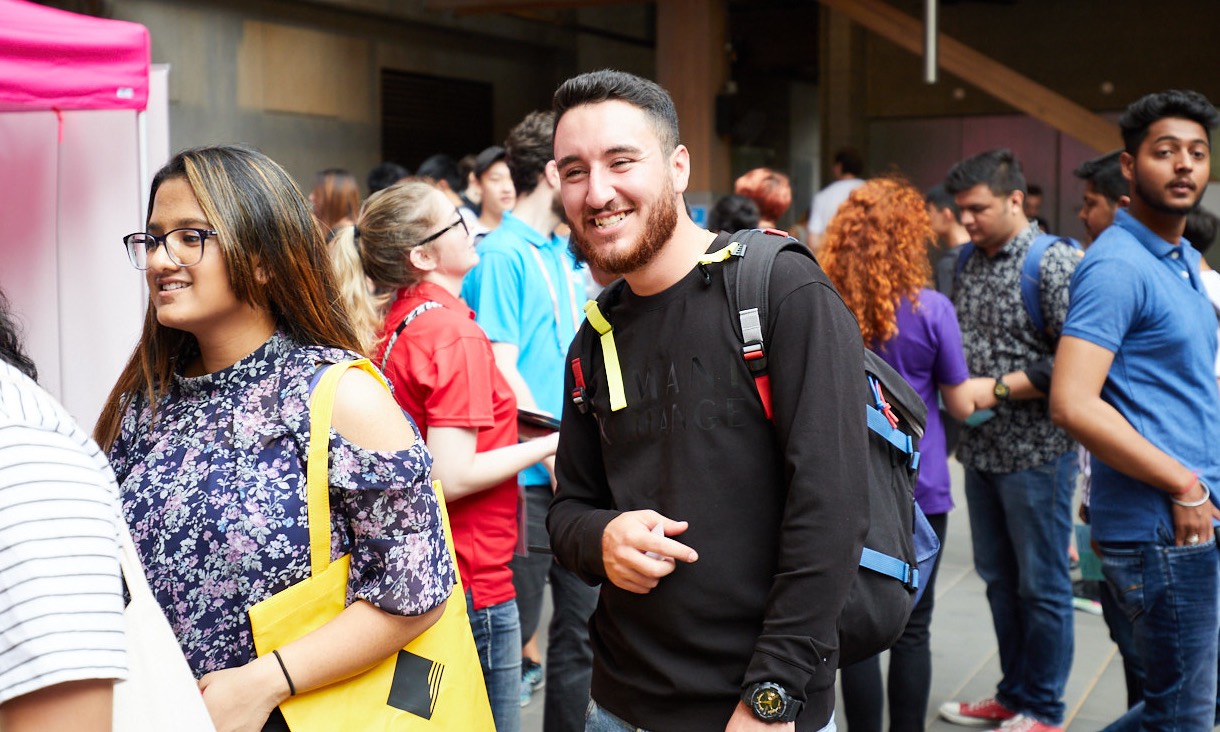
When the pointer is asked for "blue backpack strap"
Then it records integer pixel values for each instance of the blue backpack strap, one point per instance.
(1031, 276)
(963, 256)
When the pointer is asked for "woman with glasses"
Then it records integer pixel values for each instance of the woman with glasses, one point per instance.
(207, 430)
(415, 244)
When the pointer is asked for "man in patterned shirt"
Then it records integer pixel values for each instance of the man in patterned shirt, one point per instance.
(1020, 467)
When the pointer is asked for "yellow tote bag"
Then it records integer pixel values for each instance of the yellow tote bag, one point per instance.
(435, 683)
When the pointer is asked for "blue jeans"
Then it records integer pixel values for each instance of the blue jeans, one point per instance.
(497, 636)
(1172, 596)
(599, 720)
(1021, 527)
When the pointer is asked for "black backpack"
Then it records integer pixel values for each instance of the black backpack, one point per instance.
(900, 547)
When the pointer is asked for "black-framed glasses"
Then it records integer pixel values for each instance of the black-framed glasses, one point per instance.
(184, 246)
(460, 222)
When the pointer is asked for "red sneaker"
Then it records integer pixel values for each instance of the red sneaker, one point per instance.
(984, 713)
(1022, 723)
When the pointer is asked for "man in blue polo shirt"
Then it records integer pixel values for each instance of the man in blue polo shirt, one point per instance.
(1133, 382)
(527, 294)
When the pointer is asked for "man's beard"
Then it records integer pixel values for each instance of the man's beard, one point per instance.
(657, 230)
(1159, 205)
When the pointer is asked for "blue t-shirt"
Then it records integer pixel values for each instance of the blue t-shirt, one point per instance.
(927, 352)
(1141, 298)
(527, 291)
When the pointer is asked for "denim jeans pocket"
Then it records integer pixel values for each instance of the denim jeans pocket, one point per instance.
(1123, 568)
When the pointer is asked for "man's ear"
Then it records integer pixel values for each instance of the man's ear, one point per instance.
(1127, 163)
(552, 174)
(679, 162)
(1124, 201)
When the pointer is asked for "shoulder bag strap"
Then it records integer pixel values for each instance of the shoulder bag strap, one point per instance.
(419, 310)
(317, 466)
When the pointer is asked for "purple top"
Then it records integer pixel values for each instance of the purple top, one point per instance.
(928, 352)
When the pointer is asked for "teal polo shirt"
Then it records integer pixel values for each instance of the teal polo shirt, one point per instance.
(527, 290)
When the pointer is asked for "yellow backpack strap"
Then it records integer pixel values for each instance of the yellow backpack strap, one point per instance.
(721, 255)
(614, 374)
(317, 464)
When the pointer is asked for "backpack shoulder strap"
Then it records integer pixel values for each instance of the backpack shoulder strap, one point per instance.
(419, 310)
(748, 286)
(595, 318)
(1031, 276)
(963, 256)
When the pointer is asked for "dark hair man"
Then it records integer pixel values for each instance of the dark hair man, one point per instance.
(62, 604)
(1020, 467)
(384, 175)
(951, 236)
(495, 184)
(442, 170)
(725, 543)
(1105, 191)
(1134, 383)
(527, 292)
(847, 171)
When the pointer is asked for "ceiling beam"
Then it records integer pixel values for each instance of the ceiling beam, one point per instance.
(509, 6)
(986, 73)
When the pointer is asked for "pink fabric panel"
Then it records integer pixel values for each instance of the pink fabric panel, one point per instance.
(53, 59)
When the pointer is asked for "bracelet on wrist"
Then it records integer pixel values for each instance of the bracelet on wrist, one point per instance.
(292, 689)
(1207, 494)
(1194, 478)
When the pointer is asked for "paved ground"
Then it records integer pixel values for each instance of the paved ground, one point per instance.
(965, 664)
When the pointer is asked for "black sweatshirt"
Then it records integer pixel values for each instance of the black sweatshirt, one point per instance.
(777, 511)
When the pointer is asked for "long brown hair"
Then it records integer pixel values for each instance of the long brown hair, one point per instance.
(875, 252)
(337, 196)
(264, 224)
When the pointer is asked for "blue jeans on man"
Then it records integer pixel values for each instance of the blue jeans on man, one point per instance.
(1172, 595)
(1021, 527)
(497, 637)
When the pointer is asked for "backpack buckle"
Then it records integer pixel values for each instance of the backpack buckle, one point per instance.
(755, 357)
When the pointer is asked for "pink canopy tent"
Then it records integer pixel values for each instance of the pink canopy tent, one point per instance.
(53, 59)
(83, 119)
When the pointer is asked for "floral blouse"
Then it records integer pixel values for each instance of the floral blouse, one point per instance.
(214, 492)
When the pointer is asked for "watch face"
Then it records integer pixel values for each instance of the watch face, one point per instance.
(768, 704)
(1001, 390)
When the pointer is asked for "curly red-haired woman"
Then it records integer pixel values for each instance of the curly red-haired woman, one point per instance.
(875, 252)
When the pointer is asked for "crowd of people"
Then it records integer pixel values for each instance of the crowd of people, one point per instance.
(699, 542)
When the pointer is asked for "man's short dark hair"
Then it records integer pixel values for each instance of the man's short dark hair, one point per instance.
(1106, 175)
(996, 169)
(1201, 226)
(489, 157)
(385, 175)
(610, 85)
(441, 167)
(733, 213)
(941, 199)
(1180, 103)
(849, 161)
(530, 146)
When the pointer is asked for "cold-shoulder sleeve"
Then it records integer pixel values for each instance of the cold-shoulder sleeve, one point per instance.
(384, 504)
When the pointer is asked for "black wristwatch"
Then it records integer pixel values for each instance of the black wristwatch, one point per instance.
(1001, 389)
(770, 702)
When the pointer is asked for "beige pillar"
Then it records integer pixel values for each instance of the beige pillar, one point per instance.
(693, 66)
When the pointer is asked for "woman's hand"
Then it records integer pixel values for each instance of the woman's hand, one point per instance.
(241, 699)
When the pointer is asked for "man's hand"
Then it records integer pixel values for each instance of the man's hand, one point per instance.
(1195, 522)
(743, 720)
(627, 542)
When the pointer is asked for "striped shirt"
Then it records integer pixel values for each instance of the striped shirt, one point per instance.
(61, 603)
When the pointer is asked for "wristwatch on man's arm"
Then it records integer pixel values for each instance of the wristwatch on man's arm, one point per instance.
(771, 702)
(1001, 390)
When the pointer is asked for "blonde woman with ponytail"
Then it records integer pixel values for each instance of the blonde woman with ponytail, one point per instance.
(414, 244)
